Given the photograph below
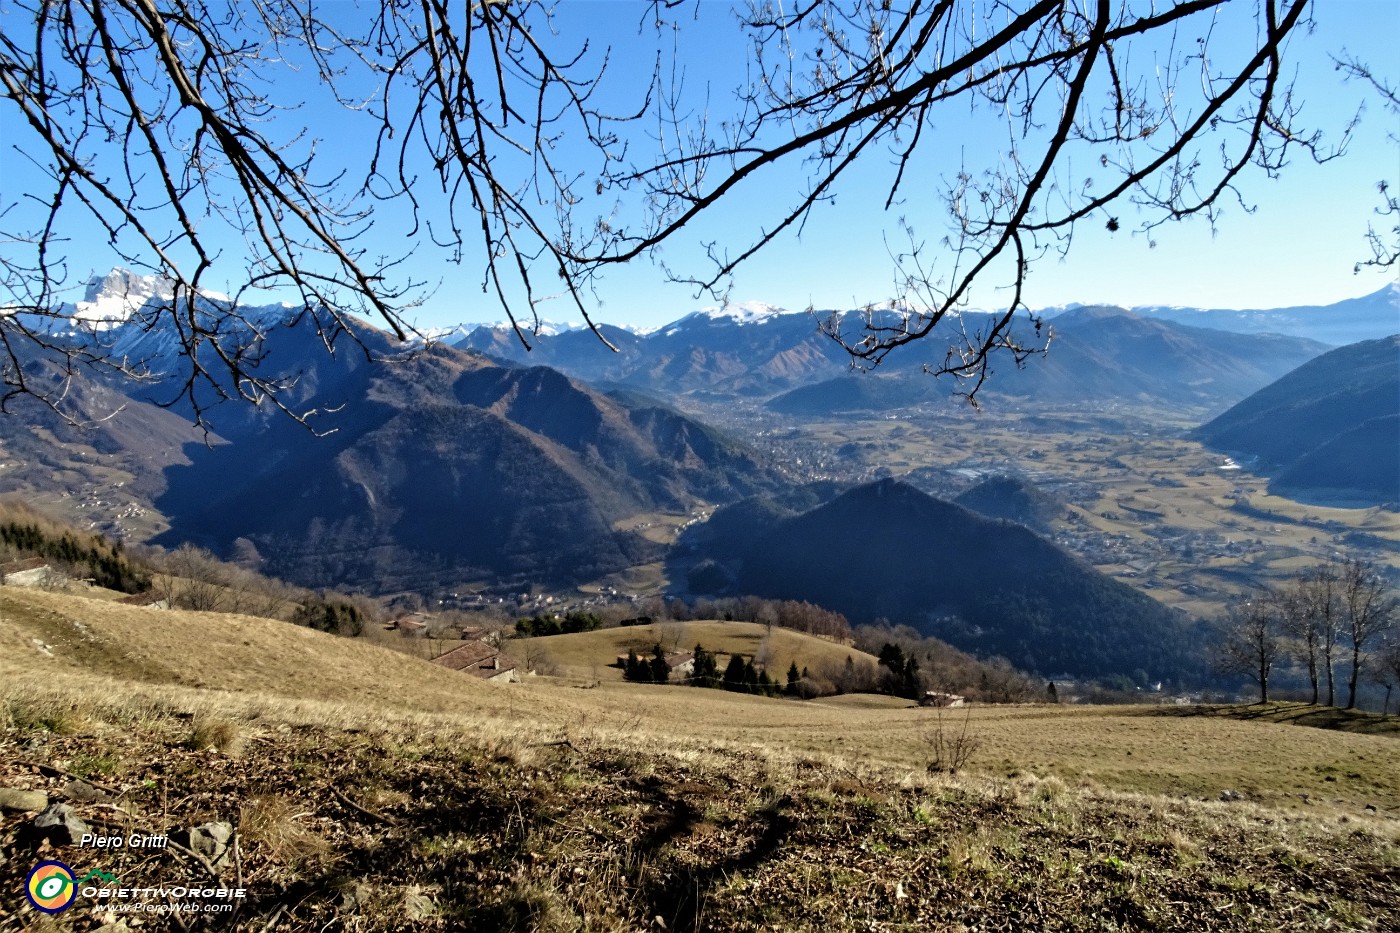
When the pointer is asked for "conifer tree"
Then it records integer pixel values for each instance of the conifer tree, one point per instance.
(660, 670)
(734, 674)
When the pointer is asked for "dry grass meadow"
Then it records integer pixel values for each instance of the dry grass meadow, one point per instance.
(375, 791)
(590, 656)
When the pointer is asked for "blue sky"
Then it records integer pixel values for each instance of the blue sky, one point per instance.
(1298, 247)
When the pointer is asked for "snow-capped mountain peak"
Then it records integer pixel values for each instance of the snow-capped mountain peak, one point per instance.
(546, 328)
(113, 298)
(743, 312)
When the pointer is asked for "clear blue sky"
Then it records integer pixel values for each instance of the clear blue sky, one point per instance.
(1298, 247)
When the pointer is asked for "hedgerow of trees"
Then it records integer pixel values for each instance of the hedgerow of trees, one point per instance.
(569, 623)
(1335, 620)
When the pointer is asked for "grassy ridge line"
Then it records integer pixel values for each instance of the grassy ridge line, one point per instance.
(221, 651)
(590, 654)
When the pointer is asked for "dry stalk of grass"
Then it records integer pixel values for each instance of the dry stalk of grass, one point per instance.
(222, 735)
(274, 822)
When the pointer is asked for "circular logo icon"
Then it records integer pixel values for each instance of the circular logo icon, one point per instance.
(50, 887)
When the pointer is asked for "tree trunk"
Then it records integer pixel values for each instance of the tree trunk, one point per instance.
(1351, 681)
(1263, 683)
(1331, 686)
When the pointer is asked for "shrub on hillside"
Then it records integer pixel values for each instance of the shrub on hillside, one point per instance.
(329, 615)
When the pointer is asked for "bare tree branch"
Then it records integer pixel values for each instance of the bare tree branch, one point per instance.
(171, 127)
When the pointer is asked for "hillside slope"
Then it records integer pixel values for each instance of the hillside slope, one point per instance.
(445, 803)
(1326, 431)
(102, 461)
(988, 587)
(448, 468)
(58, 635)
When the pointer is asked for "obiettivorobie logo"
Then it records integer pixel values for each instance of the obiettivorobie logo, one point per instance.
(52, 888)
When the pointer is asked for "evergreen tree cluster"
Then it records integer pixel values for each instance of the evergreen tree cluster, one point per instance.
(741, 676)
(94, 558)
(902, 672)
(570, 623)
(654, 670)
(706, 669)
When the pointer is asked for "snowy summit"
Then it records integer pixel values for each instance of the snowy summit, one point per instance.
(112, 299)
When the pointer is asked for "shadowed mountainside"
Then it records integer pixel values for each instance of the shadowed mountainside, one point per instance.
(448, 468)
(1013, 499)
(1327, 432)
(886, 550)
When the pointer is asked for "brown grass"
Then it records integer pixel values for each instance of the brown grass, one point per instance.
(213, 732)
(278, 824)
(589, 655)
(231, 669)
(390, 788)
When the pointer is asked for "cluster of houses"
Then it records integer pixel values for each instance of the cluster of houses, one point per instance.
(480, 656)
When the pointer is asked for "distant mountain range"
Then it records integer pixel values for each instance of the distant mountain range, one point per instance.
(1327, 432)
(1174, 355)
(703, 354)
(1098, 353)
(441, 468)
(1354, 319)
(886, 550)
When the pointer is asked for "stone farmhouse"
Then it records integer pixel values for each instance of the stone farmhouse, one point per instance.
(479, 659)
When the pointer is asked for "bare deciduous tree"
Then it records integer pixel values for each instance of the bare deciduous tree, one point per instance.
(173, 128)
(1249, 643)
(1301, 625)
(1369, 611)
(1387, 672)
(1320, 604)
(194, 579)
(1385, 245)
